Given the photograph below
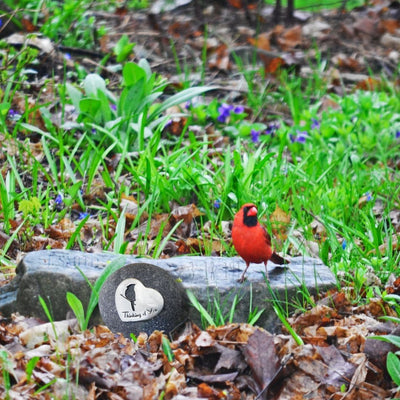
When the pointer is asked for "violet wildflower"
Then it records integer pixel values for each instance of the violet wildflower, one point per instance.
(113, 107)
(300, 137)
(13, 115)
(238, 109)
(368, 196)
(398, 134)
(67, 56)
(59, 202)
(315, 123)
(344, 244)
(272, 128)
(59, 199)
(217, 203)
(255, 136)
(94, 131)
(83, 215)
(224, 112)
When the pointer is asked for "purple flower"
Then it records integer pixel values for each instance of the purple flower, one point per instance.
(59, 199)
(83, 215)
(224, 112)
(368, 196)
(1, 22)
(315, 123)
(217, 203)
(344, 244)
(255, 136)
(13, 115)
(398, 134)
(113, 107)
(94, 131)
(272, 128)
(300, 137)
(238, 109)
(67, 56)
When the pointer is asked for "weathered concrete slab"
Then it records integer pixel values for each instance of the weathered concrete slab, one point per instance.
(51, 273)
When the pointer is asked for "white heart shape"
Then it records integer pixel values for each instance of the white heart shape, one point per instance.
(136, 302)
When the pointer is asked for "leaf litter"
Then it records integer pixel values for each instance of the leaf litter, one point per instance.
(235, 361)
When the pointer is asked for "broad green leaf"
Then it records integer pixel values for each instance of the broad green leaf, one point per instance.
(388, 338)
(144, 64)
(132, 73)
(93, 83)
(89, 108)
(123, 48)
(4, 108)
(393, 367)
(94, 296)
(131, 98)
(74, 94)
(180, 98)
(30, 366)
(77, 308)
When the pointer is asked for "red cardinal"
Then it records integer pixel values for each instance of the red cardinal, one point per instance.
(251, 240)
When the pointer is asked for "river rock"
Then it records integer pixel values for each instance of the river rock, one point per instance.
(142, 297)
(51, 273)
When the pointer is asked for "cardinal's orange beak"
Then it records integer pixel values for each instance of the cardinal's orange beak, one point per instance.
(252, 212)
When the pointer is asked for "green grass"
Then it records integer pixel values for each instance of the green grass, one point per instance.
(336, 165)
(349, 151)
(315, 5)
(316, 166)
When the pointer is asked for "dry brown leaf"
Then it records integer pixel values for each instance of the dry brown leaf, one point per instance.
(262, 41)
(261, 355)
(290, 38)
(130, 205)
(349, 64)
(366, 26)
(219, 58)
(280, 221)
(389, 25)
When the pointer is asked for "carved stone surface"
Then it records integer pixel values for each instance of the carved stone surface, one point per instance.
(142, 297)
(51, 273)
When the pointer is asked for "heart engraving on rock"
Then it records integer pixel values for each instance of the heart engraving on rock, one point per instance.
(136, 302)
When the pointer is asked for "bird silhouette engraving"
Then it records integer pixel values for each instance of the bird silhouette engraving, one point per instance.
(130, 295)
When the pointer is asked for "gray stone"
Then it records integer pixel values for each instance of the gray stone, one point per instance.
(142, 297)
(51, 273)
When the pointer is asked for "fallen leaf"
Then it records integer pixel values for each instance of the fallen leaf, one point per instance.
(261, 356)
(290, 38)
(262, 41)
(280, 221)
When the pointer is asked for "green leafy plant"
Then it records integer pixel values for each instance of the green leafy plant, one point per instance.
(76, 304)
(217, 316)
(166, 346)
(30, 366)
(132, 118)
(7, 370)
(392, 360)
(46, 310)
(123, 48)
(30, 207)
